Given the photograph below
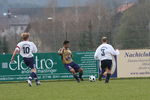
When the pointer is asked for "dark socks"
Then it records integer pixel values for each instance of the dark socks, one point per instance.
(101, 75)
(76, 77)
(107, 78)
(80, 74)
(33, 76)
(30, 78)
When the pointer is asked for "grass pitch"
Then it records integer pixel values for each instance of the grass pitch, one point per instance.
(131, 89)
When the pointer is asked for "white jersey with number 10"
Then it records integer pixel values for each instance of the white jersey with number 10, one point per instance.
(26, 49)
(105, 52)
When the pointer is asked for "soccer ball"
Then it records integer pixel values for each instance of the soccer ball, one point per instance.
(92, 78)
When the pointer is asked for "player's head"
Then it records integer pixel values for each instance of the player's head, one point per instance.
(104, 40)
(66, 44)
(25, 36)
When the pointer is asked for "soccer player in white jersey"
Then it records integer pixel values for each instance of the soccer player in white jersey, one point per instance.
(104, 53)
(26, 49)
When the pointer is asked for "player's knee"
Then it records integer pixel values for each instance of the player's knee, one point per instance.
(34, 70)
(72, 71)
(109, 71)
(80, 70)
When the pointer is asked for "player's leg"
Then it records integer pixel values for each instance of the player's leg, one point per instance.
(74, 74)
(109, 64)
(27, 62)
(80, 70)
(101, 74)
(108, 76)
(102, 70)
(72, 71)
(105, 73)
(31, 64)
(35, 77)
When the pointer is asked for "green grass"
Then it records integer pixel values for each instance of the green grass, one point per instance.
(131, 89)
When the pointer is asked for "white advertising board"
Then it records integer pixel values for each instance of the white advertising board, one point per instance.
(133, 63)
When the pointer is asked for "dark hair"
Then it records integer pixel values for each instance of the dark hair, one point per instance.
(66, 42)
(104, 39)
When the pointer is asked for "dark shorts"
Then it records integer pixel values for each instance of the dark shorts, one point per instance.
(72, 65)
(106, 64)
(30, 62)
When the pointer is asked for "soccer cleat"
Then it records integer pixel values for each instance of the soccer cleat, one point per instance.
(78, 81)
(38, 83)
(100, 78)
(106, 81)
(29, 83)
(81, 79)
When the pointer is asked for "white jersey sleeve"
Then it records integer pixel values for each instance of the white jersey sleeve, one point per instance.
(113, 51)
(18, 46)
(97, 54)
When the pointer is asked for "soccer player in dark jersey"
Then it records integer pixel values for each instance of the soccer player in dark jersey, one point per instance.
(72, 67)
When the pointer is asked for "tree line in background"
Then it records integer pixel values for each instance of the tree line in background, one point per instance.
(84, 26)
(3, 45)
(134, 28)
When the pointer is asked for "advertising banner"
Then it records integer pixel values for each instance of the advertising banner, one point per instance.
(49, 66)
(134, 63)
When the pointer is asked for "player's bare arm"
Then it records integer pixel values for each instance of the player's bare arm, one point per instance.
(16, 51)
